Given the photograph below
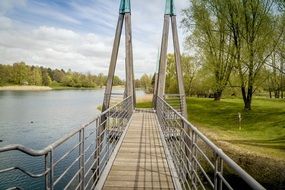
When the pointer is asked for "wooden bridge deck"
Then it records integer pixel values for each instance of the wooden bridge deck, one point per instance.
(141, 161)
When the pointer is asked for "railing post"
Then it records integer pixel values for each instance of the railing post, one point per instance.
(192, 156)
(51, 170)
(46, 169)
(181, 154)
(218, 183)
(221, 171)
(81, 154)
(97, 152)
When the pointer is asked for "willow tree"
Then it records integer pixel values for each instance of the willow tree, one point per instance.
(213, 39)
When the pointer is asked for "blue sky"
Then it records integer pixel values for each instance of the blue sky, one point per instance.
(78, 34)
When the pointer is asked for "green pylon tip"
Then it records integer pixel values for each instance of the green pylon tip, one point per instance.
(125, 6)
(169, 7)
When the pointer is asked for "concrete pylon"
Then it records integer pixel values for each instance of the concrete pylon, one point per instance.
(169, 16)
(124, 15)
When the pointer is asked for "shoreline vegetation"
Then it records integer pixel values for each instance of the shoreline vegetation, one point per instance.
(47, 88)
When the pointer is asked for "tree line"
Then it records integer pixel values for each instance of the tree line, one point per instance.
(23, 74)
(237, 44)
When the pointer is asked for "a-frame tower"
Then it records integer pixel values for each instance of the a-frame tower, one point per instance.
(124, 15)
(170, 17)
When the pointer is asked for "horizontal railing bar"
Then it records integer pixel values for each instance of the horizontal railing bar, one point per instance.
(197, 177)
(66, 170)
(85, 151)
(73, 178)
(66, 154)
(225, 181)
(91, 177)
(15, 188)
(25, 172)
(78, 186)
(91, 133)
(204, 155)
(174, 95)
(203, 171)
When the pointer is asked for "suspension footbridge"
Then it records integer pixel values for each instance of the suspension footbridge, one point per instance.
(129, 148)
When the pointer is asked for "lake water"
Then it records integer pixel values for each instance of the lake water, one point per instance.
(37, 118)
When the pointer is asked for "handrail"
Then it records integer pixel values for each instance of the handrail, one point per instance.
(219, 152)
(97, 149)
(41, 152)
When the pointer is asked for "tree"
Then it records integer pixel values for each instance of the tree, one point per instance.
(101, 80)
(253, 24)
(35, 76)
(46, 78)
(190, 67)
(57, 75)
(145, 82)
(213, 39)
(236, 34)
(171, 83)
(20, 73)
(189, 70)
(117, 81)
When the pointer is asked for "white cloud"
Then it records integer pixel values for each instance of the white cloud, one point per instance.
(55, 47)
(84, 51)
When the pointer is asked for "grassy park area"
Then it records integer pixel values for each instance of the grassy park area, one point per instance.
(259, 146)
(262, 127)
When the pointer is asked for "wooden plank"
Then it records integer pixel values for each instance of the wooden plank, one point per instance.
(140, 161)
(140, 184)
(156, 177)
(130, 188)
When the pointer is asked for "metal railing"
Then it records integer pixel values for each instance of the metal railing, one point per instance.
(200, 164)
(175, 101)
(76, 160)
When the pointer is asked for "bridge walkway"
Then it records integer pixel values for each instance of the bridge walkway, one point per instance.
(141, 161)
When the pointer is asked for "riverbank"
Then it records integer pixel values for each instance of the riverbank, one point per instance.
(25, 88)
(44, 88)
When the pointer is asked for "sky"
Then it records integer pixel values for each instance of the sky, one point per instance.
(79, 34)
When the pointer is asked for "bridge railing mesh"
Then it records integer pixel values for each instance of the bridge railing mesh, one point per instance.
(198, 162)
(76, 161)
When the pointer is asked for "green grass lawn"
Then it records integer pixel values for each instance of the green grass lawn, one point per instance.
(262, 128)
(144, 105)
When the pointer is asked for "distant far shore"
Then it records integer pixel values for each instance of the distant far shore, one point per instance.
(24, 88)
(45, 88)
